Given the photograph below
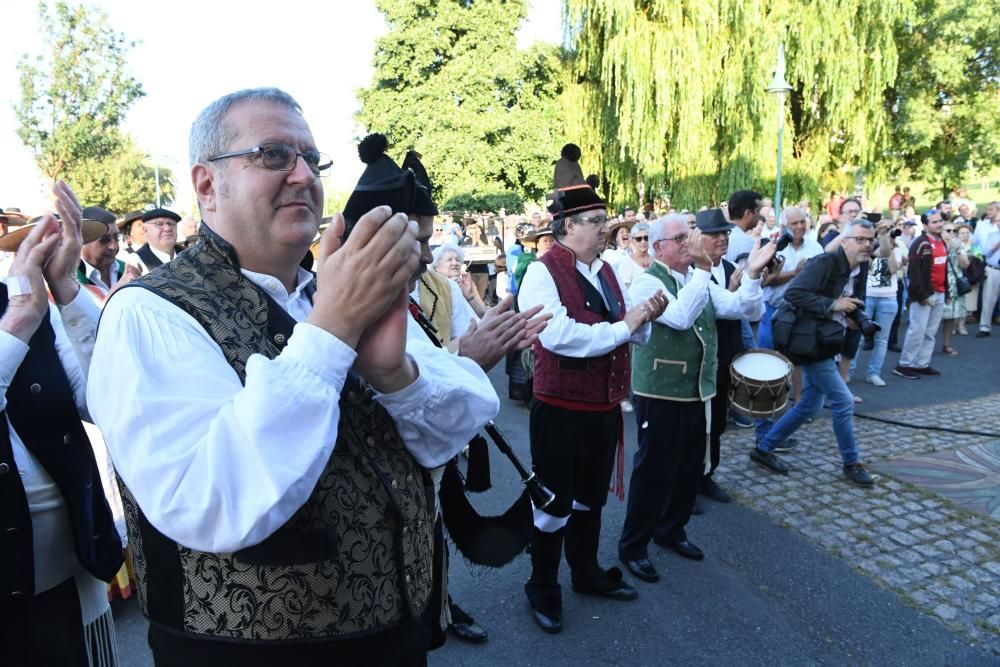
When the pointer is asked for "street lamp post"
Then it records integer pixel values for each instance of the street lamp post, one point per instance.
(779, 88)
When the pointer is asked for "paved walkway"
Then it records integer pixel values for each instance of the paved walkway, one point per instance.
(934, 554)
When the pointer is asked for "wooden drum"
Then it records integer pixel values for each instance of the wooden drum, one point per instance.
(760, 382)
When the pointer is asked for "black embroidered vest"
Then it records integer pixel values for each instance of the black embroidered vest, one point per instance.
(353, 560)
(42, 410)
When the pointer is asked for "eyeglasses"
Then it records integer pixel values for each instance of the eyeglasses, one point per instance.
(598, 220)
(680, 238)
(725, 232)
(863, 240)
(282, 157)
(949, 231)
(107, 239)
(640, 239)
(162, 223)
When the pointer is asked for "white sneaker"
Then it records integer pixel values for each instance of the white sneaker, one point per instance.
(875, 380)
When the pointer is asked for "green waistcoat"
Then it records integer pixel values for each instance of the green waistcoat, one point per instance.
(677, 365)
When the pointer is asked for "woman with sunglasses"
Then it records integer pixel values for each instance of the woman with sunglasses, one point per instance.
(640, 259)
(954, 307)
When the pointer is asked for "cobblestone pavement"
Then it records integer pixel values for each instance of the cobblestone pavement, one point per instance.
(936, 556)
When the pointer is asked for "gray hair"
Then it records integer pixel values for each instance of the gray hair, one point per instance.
(440, 251)
(559, 226)
(848, 229)
(658, 228)
(210, 135)
(791, 209)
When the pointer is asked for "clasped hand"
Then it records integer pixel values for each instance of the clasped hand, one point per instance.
(361, 293)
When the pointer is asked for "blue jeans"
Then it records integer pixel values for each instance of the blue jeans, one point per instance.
(883, 310)
(820, 378)
(747, 335)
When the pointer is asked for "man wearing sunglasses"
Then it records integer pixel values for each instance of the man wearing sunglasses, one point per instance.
(274, 472)
(826, 289)
(159, 228)
(99, 269)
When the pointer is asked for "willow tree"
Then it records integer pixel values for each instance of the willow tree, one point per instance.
(671, 93)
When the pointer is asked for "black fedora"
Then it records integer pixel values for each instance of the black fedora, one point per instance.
(712, 221)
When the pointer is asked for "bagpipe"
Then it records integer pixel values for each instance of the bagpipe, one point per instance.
(492, 541)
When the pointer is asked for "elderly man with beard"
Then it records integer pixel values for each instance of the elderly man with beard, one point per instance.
(674, 380)
(285, 451)
(826, 289)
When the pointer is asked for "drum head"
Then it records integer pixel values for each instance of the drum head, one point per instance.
(762, 366)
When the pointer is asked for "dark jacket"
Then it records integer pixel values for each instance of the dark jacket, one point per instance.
(822, 281)
(919, 270)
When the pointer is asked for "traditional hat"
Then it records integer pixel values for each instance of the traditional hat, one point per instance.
(383, 183)
(129, 218)
(92, 230)
(99, 214)
(13, 217)
(532, 237)
(574, 199)
(423, 200)
(154, 213)
(711, 221)
(568, 171)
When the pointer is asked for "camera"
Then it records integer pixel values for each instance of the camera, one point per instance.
(867, 325)
(896, 233)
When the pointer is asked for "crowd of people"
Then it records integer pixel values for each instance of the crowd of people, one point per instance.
(262, 437)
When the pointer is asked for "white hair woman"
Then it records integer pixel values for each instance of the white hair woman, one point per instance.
(448, 260)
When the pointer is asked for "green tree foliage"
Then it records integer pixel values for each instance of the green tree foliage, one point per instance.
(670, 93)
(74, 95)
(946, 99)
(450, 83)
(509, 202)
(121, 182)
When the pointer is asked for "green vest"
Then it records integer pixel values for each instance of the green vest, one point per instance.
(677, 365)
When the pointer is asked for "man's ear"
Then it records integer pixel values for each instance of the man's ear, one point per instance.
(206, 184)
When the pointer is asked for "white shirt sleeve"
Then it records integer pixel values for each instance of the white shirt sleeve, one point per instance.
(461, 312)
(217, 465)
(563, 335)
(746, 303)
(682, 310)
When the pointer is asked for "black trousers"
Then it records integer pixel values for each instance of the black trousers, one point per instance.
(573, 453)
(406, 644)
(666, 473)
(720, 412)
(50, 633)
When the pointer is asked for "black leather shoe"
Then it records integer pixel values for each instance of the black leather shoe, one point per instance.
(469, 632)
(982, 334)
(857, 474)
(549, 624)
(610, 584)
(769, 461)
(643, 569)
(687, 549)
(711, 490)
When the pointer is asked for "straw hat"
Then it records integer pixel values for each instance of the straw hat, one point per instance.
(92, 230)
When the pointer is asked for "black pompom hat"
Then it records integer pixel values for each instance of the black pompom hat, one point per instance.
(383, 183)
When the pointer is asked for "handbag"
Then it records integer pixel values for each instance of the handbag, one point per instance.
(962, 284)
(804, 336)
(976, 271)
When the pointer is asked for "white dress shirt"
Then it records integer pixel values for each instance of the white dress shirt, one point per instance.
(217, 465)
(54, 553)
(684, 307)
(565, 336)
(94, 276)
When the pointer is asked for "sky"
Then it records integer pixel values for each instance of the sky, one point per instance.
(191, 53)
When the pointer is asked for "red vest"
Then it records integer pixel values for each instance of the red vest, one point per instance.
(603, 381)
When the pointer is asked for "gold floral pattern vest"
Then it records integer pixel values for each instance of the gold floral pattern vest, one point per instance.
(353, 560)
